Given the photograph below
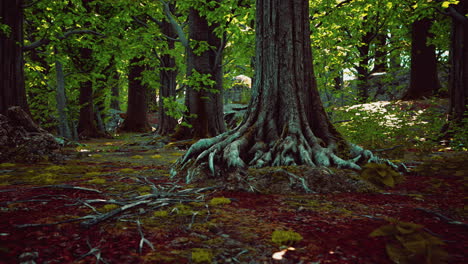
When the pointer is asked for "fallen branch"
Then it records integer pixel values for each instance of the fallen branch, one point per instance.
(143, 240)
(443, 217)
(102, 217)
(96, 252)
(55, 223)
(59, 186)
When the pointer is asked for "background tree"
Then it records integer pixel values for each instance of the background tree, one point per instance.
(168, 77)
(286, 123)
(424, 80)
(136, 119)
(13, 92)
(458, 83)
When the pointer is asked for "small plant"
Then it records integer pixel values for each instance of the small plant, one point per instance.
(201, 255)
(285, 238)
(409, 243)
(219, 201)
(381, 175)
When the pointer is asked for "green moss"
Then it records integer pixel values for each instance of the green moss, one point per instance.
(93, 173)
(97, 181)
(160, 213)
(285, 238)
(219, 201)
(201, 255)
(109, 207)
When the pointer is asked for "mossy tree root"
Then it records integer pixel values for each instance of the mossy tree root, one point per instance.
(238, 149)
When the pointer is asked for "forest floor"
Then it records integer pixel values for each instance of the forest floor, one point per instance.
(113, 201)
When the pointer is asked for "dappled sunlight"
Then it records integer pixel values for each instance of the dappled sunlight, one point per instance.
(280, 254)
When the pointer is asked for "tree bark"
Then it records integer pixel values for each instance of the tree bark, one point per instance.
(87, 127)
(204, 102)
(424, 80)
(363, 68)
(63, 125)
(12, 91)
(167, 75)
(136, 119)
(286, 123)
(458, 78)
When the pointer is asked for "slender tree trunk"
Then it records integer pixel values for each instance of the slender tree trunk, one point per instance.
(63, 126)
(380, 54)
(136, 119)
(87, 127)
(168, 75)
(458, 80)
(363, 68)
(424, 80)
(286, 123)
(12, 92)
(113, 82)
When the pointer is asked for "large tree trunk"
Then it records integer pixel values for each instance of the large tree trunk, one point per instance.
(286, 123)
(168, 75)
(204, 101)
(12, 92)
(458, 81)
(424, 80)
(136, 119)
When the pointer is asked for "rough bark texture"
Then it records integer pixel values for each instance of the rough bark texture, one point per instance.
(363, 67)
(136, 119)
(87, 127)
(424, 80)
(286, 123)
(206, 106)
(458, 80)
(63, 125)
(168, 75)
(12, 92)
(22, 140)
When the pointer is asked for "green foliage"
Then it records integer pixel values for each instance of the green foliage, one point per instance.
(201, 255)
(383, 124)
(410, 243)
(381, 175)
(285, 238)
(5, 29)
(201, 81)
(176, 109)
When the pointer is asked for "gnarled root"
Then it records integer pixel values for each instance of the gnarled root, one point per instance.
(229, 155)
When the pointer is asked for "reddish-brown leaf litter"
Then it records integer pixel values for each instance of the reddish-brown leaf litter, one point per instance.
(40, 207)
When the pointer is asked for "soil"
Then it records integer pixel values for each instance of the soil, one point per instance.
(79, 211)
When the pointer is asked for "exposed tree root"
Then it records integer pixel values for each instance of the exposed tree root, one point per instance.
(229, 155)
